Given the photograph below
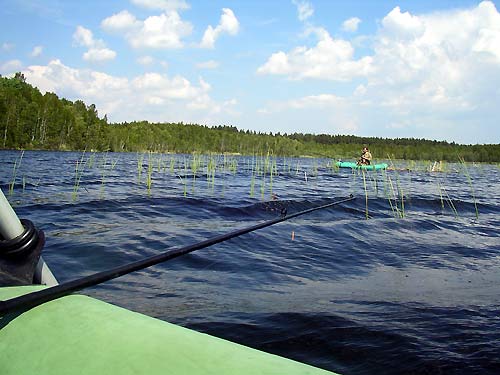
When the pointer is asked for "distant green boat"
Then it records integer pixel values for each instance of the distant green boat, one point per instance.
(353, 165)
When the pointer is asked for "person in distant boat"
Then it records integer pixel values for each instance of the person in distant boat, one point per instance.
(366, 157)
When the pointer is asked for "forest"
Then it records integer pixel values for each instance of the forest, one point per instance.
(32, 120)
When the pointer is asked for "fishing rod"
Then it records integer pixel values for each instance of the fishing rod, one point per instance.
(28, 301)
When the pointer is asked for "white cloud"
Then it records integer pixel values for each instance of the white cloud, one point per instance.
(10, 67)
(351, 24)
(162, 4)
(277, 64)
(97, 50)
(304, 9)
(99, 54)
(160, 86)
(75, 83)
(228, 24)
(162, 32)
(83, 37)
(120, 21)
(210, 64)
(402, 25)
(167, 30)
(447, 61)
(330, 59)
(488, 42)
(149, 96)
(145, 60)
(37, 51)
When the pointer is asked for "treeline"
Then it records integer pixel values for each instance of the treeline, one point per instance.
(30, 120)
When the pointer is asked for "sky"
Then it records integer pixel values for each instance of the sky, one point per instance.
(420, 69)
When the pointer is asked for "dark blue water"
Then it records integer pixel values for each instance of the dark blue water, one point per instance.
(415, 289)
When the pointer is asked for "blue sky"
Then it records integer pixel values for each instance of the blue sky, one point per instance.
(424, 69)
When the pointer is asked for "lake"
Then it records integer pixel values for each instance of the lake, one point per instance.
(415, 288)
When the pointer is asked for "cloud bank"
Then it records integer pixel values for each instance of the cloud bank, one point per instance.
(151, 96)
(164, 31)
(228, 24)
(97, 50)
(424, 69)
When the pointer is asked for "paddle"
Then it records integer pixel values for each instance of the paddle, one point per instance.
(28, 301)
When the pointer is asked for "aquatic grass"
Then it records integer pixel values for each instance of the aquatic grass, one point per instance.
(103, 175)
(469, 180)
(184, 180)
(263, 185)
(149, 177)
(91, 159)
(394, 208)
(252, 184)
(375, 181)
(267, 163)
(79, 168)
(366, 194)
(160, 163)
(213, 171)
(172, 164)
(194, 169)
(284, 164)
(233, 167)
(401, 197)
(105, 168)
(441, 195)
(274, 167)
(449, 201)
(399, 212)
(140, 160)
(17, 164)
(271, 183)
(209, 168)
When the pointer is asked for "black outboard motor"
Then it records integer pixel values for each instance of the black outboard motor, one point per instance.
(21, 247)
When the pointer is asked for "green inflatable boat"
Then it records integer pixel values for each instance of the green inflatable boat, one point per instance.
(81, 335)
(354, 165)
(77, 334)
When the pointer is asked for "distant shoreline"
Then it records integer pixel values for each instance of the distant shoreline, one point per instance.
(32, 121)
